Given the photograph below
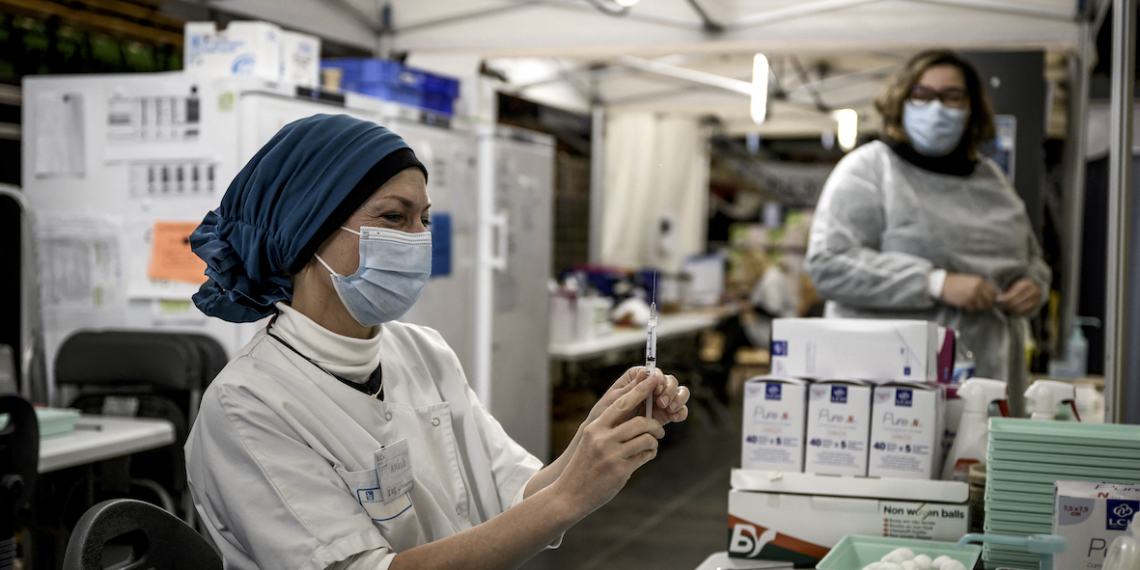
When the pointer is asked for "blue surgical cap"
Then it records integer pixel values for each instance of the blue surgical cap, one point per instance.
(299, 188)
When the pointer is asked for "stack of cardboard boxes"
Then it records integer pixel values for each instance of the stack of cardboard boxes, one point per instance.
(844, 438)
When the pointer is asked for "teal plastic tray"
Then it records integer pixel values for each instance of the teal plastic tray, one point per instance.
(1072, 433)
(998, 527)
(52, 421)
(1018, 486)
(1055, 471)
(1019, 518)
(1022, 502)
(1092, 451)
(1050, 460)
(855, 551)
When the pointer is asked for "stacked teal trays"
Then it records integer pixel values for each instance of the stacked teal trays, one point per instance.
(1026, 457)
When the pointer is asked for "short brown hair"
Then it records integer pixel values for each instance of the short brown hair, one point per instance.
(889, 103)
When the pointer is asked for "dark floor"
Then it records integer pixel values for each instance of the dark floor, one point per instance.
(673, 513)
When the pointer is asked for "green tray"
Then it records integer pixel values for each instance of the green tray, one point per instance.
(1025, 502)
(1008, 551)
(1072, 433)
(1093, 451)
(1019, 487)
(1059, 472)
(996, 527)
(52, 421)
(1047, 479)
(1010, 517)
(1048, 460)
(854, 551)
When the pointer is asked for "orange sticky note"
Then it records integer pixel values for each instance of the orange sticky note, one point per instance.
(170, 255)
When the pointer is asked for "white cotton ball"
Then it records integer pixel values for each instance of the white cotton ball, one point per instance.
(923, 561)
(953, 565)
(940, 562)
(889, 566)
(905, 554)
(873, 566)
(909, 565)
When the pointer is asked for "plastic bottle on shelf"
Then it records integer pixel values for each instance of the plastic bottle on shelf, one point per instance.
(973, 429)
(1044, 395)
(1124, 554)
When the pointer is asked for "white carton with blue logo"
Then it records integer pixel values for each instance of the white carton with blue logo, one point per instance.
(1090, 516)
(773, 438)
(243, 49)
(866, 349)
(906, 431)
(838, 427)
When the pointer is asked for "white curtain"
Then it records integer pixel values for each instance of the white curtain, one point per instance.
(655, 190)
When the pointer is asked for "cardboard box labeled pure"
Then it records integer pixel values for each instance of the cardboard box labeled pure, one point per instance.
(773, 437)
(906, 431)
(800, 517)
(865, 349)
(1090, 516)
(838, 427)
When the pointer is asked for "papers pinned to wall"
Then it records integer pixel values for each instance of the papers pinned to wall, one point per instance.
(60, 148)
(170, 255)
(81, 270)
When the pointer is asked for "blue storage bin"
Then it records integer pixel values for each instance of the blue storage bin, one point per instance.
(392, 81)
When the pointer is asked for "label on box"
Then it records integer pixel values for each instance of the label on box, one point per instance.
(773, 437)
(837, 428)
(1090, 516)
(906, 431)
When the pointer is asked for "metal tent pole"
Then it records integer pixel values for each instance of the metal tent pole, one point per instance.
(1075, 185)
(1117, 291)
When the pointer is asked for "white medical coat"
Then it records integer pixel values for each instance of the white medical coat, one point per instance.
(883, 225)
(280, 459)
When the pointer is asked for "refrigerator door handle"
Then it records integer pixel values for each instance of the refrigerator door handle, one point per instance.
(498, 224)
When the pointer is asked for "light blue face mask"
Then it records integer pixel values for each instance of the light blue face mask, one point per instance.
(394, 267)
(933, 128)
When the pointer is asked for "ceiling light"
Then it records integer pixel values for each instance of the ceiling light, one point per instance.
(848, 130)
(759, 106)
(626, 3)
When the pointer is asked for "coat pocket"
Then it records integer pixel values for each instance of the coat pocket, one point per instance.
(365, 486)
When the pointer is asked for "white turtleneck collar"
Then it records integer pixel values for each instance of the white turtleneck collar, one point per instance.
(350, 358)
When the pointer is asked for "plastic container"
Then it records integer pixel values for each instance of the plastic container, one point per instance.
(973, 429)
(855, 551)
(1124, 554)
(392, 81)
(52, 421)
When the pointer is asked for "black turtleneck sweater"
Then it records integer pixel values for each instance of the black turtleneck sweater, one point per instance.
(957, 163)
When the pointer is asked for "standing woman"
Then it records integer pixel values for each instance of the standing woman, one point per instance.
(920, 226)
(342, 438)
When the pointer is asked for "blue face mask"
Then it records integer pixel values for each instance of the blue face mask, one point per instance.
(933, 128)
(394, 267)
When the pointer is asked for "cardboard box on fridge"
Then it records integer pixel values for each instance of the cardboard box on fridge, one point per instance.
(300, 59)
(799, 517)
(906, 431)
(838, 427)
(866, 349)
(773, 437)
(1090, 516)
(243, 48)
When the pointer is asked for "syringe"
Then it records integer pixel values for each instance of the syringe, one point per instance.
(650, 355)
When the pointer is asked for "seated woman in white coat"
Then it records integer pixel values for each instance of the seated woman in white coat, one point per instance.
(342, 438)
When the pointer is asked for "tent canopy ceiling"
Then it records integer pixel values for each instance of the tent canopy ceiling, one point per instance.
(825, 54)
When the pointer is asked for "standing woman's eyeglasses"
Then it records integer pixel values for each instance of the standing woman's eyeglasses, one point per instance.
(955, 97)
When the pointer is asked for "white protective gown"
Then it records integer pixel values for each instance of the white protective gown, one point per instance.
(883, 225)
(281, 463)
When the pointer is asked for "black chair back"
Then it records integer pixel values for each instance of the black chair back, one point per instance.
(126, 534)
(19, 465)
(21, 320)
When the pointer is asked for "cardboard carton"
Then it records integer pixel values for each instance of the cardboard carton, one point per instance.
(838, 427)
(800, 517)
(906, 431)
(1090, 516)
(243, 48)
(864, 349)
(773, 437)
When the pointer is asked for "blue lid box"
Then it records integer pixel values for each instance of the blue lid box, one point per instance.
(393, 81)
